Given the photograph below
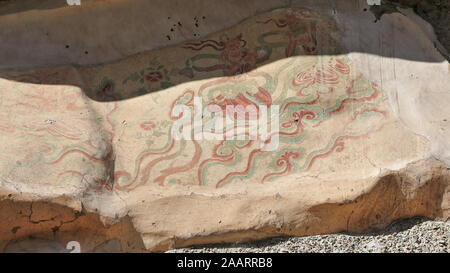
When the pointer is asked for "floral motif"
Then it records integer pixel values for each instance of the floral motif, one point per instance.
(105, 90)
(153, 77)
(235, 57)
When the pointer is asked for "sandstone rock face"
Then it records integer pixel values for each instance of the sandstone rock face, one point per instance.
(88, 153)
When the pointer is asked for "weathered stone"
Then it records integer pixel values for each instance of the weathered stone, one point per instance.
(88, 154)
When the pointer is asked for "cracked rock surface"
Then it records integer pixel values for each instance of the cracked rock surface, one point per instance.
(89, 152)
(436, 12)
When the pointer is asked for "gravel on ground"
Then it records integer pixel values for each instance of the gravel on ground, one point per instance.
(415, 235)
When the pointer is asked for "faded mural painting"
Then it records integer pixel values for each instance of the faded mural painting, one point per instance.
(109, 126)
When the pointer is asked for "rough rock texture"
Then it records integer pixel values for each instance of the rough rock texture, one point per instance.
(87, 154)
(436, 12)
